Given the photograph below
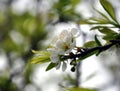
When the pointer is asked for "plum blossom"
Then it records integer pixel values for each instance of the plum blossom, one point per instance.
(63, 45)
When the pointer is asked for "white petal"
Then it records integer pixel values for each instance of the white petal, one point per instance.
(75, 32)
(61, 51)
(52, 50)
(59, 44)
(54, 40)
(58, 66)
(68, 39)
(63, 34)
(73, 44)
(54, 58)
(64, 66)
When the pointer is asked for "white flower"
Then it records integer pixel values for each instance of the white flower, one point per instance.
(66, 41)
(64, 47)
(63, 44)
(55, 58)
(75, 33)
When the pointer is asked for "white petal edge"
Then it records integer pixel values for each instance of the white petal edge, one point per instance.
(54, 58)
(64, 66)
(58, 66)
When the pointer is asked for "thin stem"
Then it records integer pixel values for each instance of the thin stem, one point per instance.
(97, 49)
(78, 74)
(93, 50)
(78, 68)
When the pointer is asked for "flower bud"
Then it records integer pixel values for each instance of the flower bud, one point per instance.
(73, 69)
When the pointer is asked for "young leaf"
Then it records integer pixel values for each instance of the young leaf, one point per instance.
(103, 15)
(107, 31)
(95, 21)
(90, 44)
(111, 37)
(97, 27)
(50, 66)
(86, 22)
(40, 59)
(41, 52)
(109, 9)
(100, 20)
(97, 41)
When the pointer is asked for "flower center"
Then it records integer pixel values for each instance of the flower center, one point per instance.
(66, 47)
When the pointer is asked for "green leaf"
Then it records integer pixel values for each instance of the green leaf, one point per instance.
(50, 66)
(40, 59)
(95, 21)
(109, 9)
(86, 22)
(90, 44)
(41, 52)
(80, 89)
(97, 41)
(100, 20)
(103, 15)
(111, 37)
(97, 27)
(107, 31)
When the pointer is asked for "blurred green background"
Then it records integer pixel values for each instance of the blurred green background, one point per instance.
(24, 26)
(27, 25)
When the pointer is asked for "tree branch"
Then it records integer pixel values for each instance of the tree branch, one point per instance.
(94, 50)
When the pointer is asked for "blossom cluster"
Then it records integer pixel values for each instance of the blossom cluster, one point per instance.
(63, 45)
